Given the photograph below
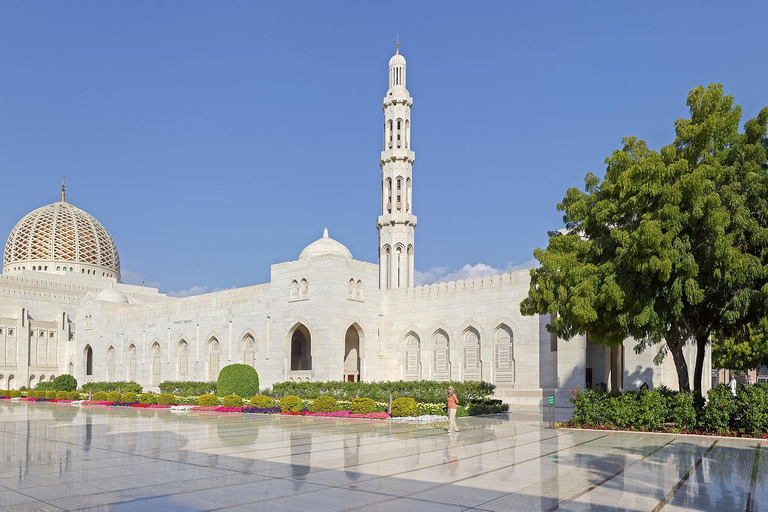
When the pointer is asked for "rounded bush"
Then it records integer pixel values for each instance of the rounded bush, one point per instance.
(232, 401)
(166, 399)
(148, 399)
(262, 401)
(208, 401)
(15, 393)
(100, 396)
(114, 396)
(237, 379)
(50, 395)
(325, 404)
(64, 383)
(128, 398)
(403, 406)
(290, 403)
(62, 395)
(73, 395)
(132, 387)
(361, 406)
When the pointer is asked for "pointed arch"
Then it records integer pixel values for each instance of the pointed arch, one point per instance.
(248, 347)
(300, 347)
(156, 353)
(111, 363)
(88, 360)
(354, 340)
(214, 356)
(412, 355)
(504, 354)
(182, 356)
(471, 354)
(133, 356)
(441, 355)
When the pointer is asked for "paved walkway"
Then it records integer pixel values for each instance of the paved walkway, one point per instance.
(58, 457)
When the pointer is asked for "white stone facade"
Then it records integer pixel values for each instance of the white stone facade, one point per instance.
(325, 316)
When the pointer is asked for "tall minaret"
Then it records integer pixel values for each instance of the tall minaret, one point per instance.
(397, 221)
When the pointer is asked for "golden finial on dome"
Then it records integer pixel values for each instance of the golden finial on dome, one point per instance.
(63, 177)
(397, 44)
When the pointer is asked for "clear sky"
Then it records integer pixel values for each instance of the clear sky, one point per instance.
(213, 139)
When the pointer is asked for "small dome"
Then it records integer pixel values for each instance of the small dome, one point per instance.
(325, 247)
(111, 295)
(397, 60)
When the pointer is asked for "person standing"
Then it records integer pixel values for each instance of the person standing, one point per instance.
(453, 401)
(732, 384)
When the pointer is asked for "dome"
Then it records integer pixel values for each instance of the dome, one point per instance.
(111, 295)
(61, 237)
(325, 247)
(397, 60)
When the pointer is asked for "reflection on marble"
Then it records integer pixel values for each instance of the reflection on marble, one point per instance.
(58, 457)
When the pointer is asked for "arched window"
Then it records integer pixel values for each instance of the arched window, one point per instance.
(132, 357)
(111, 364)
(156, 353)
(412, 363)
(351, 287)
(390, 134)
(385, 267)
(88, 361)
(249, 350)
(472, 362)
(409, 267)
(388, 195)
(183, 357)
(71, 368)
(304, 288)
(408, 195)
(442, 356)
(399, 132)
(294, 289)
(213, 359)
(399, 193)
(505, 355)
(398, 264)
(352, 355)
(407, 133)
(359, 289)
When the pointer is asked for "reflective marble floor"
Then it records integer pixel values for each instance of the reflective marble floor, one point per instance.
(58, 457)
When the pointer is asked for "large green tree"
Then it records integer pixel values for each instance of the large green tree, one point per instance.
(744, 350)
(671, 245)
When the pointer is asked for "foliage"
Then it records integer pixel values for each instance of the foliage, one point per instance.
(15, 393)
(262, 402)
(119, 386)
(148, 399)
(325, 404)
(720, 409)
(50, 395)
(683, 411)
(290, 403)
(652, 410)
(589, 407)
(232, 401)
(114, 396)
(99, 396)
(622, 409)
(64, 383)
(752, 403)
(238, 379)
(477, 407)
(744, 350)
(669, 246)
(187, 387)
(422, 391)
(208, 400)
(44, 386)
(73, 395)
(128, 397)
(431, 409)
(361, 406)
(166, 399)
(62, 395)
(403, 406)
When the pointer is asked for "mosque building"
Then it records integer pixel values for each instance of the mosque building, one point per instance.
(325, 316)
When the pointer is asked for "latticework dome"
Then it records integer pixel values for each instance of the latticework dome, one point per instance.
(61, 237)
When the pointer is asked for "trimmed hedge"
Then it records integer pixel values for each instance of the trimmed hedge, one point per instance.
(128, 398)
(486, 406)
(188, 387)
(403, 406)
(290, 403)
(119, 386)
(99, 396)
(73, 395)
(114, 396)
(325, 404)
(208, 400)
(62, 395)
(147, 399)
(64, 383)
(166, 399)
(423, 391)
(237, 379)
(50, 395)
(232, 401)
(262, 402)
(361, 406)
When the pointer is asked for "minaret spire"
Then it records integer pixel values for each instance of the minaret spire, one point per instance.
(63, 194)
(397, 44)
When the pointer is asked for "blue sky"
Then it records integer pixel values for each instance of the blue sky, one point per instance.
(213, 139)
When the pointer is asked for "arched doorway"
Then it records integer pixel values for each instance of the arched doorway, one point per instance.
(301, 349)
(88, 356)
(352, 355)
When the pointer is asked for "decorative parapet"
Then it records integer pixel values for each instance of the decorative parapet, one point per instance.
(517, 278)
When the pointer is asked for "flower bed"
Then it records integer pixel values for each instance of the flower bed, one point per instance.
(262, 410)
(340, 414)
(150, 406)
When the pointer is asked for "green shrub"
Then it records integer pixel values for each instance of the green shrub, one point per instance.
(148, 399)
(720, 409)
(73, 395)
(423, 391)
(44, 386)
(232, 401)
(361, 406)
(119, 386)
(237, 379)
(50, 395)
(114, 396)
(262, 401)
(62, 395)
(325, 404)
(590, 407)
(99, 396)
(487, 406)
(64, 383)
(753, 405)
(403, 406)
(290, 404)
(166, 399)
(129, 398)
(623, 409)
(683, 411)
(188, 387)
(15, 393)
(208, 400)
(430, 409)
(652, 410)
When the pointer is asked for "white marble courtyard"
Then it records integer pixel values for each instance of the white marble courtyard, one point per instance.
(58, 457)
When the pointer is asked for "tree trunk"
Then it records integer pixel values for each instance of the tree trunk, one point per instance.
(701, 351)
(683, 380)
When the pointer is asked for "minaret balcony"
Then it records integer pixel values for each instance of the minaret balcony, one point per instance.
(390, 219)
(394, 154)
